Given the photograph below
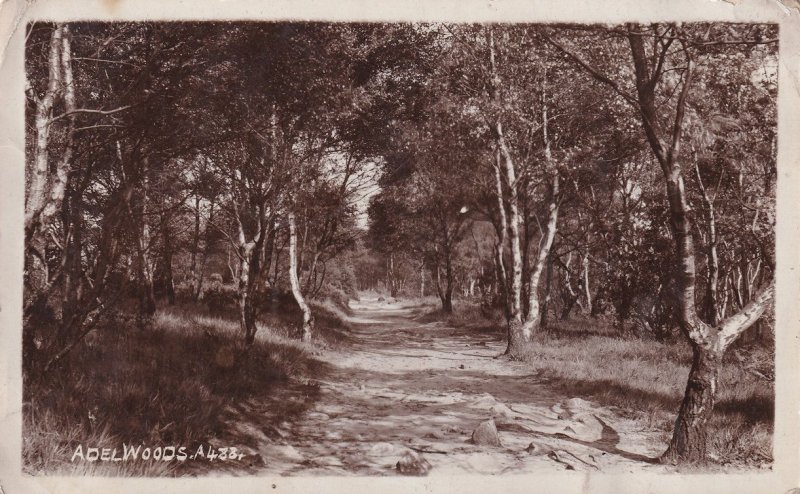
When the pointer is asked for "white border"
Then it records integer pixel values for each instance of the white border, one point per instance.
(14, 14)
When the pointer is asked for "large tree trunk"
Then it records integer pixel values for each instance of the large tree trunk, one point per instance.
(42, 184)
(689, 440)
(447, 302)
(47, 184)
(308, 319)
(709, 342)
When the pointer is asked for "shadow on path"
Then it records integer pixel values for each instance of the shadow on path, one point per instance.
(403, 386)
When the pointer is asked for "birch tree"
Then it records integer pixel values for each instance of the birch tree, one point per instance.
(666, 59)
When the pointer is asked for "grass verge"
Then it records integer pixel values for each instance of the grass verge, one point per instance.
(178, 383)
(645, 379)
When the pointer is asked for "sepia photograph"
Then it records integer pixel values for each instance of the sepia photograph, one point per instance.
(404, 248)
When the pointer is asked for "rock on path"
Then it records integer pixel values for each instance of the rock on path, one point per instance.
(411, 398)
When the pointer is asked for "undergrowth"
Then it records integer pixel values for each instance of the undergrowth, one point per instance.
(176, 383)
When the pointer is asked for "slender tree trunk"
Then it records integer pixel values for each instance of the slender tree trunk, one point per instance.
(525, 245)
(147, 298)
(268, 253)
(89, 306)
(586, 289)
(249, 252)
(318, 283)
(569, 295)
(246, 313)
(598, 304)
(206, 248)
(515, 334)
(72, 270)
(308, 319)
(422, 279)
(301, 247)
(253, 284)
(311, 274)
(232, 269)
(501, 293)
(534, 313)
(533, 322)
(391, 276)
(272, 258)
(168, 278)
(65, 197)
(437, 277)
(547, 293)
(447, 303)
(195, 286)
(276, 273)
(500, 245)
(711, 305)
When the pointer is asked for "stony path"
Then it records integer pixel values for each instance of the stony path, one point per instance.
(413, 393)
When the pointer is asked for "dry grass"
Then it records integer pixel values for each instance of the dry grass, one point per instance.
(174, 384)
(646, 379)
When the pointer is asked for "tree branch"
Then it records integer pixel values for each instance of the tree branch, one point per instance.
(735, 325)
(87, 110)
(593, 72)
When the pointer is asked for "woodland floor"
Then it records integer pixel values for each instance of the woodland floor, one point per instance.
(402, 384)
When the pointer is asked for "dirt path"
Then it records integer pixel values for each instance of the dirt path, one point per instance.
(413, 391)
